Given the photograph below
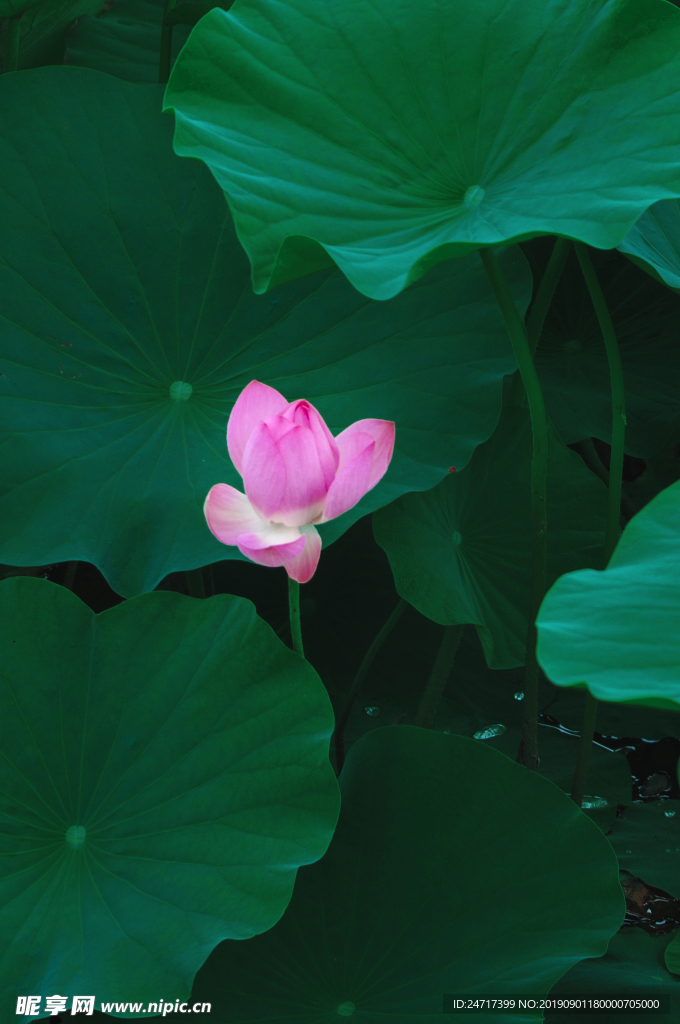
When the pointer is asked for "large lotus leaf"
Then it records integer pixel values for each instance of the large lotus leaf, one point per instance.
(609, 775)
(618, 631)
(653, 242)
(44, 27)
(387, 135)
(452, 870)
(633, 965)
(164, 774)
(122, 280)
(571, 359)
(461, 552)
(125, 41)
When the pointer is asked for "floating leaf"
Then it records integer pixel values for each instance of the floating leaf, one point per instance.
(609, 774)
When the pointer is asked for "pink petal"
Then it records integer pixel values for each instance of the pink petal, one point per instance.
(254, 546)
(264, 471)
(255, 403)
(229, 513)
(382, 432)
(305, 493)
(304, 414)
(233, 520)
(352, 479)
(366, 448)
(303, 567)
(282, 472)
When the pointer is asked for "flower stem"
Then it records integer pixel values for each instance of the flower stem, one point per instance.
(208, 581)
(539, 480)
(70, 574)
(12, 37)
(429, 702)
(539, 310)
(618, 400)
(595, 464)
(615, 488)
(166, 47)
(194, 578)
(294, 608)
(585, 747)
(592, 459)
(358, 680)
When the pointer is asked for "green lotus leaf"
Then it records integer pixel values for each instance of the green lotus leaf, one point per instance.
(617, 631)
(388, 135)
(122, 280)
(672, 955)
(632, 966)
(124, 42)
(653, 242)
(164, 774)
(609, 775)
(571, 359)
(44, 26)
(452, 870)
(461, 552)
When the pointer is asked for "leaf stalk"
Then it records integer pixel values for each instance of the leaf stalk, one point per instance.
(432, 694)
(615, 488)
(11, 61)
(362, 672)
(294, 609)
(195, 585)
(539, 481)
(539, 310)
(165, 55)
(618, 400)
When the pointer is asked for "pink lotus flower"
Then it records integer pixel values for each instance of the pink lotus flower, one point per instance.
(296, 475)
